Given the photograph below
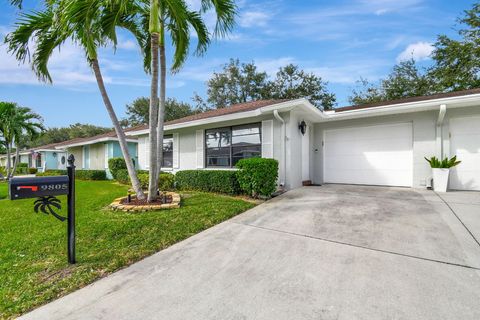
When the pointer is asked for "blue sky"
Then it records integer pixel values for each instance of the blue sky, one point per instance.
(340, 41)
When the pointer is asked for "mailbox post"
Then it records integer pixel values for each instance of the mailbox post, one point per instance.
(46, 189)
(71, 209)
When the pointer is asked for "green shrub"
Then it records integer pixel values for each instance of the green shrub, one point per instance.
(91, 175)
(116, 164)
(122, 176)
(165, 183)
(32, 170)
(79, 174)
(52, 172)
(220, 181)
(22, 165)
(258, 176)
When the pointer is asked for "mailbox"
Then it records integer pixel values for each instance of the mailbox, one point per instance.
(24, 188)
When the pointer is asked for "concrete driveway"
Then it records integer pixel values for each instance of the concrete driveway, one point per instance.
(330, 252)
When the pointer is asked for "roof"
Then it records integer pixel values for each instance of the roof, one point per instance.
(236, 108)
(112, 135)
(410, 99)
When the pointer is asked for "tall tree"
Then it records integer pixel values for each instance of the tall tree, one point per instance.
(457, 62)
(405, 80)
(15, 123)
(88, 23)
(178, 21)
(242, 82)
(138, 111)
(237, 83)
(292, 83)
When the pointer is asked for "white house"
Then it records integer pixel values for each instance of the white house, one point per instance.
(42, 157)
(377, 144)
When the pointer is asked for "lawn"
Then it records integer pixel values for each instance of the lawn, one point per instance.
(33, 267)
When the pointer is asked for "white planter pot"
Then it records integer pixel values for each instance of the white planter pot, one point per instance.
(440, 179)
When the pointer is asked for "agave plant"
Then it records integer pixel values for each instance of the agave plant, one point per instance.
(443, 164)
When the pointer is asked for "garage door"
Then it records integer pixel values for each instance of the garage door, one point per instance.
(465, 143)
(374, 155)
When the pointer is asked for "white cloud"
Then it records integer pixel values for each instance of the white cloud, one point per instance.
(256, 18)
(127, 45)
(271, 66)
(418, 51)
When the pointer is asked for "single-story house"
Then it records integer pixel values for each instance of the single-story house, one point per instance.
(376, 144)
(42, 158)
(93, 153)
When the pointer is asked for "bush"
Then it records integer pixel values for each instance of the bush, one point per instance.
(32, 170)
(258, 176)
(91, 175)
(52, 173)
(116, 164)
(220, 181)
(122, 176)
(79, 174)
(165, 183)
(22, 165)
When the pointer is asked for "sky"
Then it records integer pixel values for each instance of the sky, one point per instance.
(338, 40)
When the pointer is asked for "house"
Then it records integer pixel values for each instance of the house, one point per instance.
(377, 144)
(93, 153)
(42, 158)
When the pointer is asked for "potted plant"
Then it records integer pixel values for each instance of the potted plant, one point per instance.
(441, 171)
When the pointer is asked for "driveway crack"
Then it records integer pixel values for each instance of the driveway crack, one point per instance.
(458, 218)
(359, 246)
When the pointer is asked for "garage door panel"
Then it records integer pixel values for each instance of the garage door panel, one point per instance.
(370, 161)
(365, 146)
(378, 155)
(465, 143)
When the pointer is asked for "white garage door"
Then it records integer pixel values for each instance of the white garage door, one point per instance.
(375, 155)
(465, 143)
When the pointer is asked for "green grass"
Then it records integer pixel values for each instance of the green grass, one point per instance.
(33, 267)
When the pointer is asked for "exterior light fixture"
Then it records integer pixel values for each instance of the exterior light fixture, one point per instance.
(303, 127)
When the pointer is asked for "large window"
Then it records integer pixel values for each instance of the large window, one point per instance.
(224, 147)
(167, 152)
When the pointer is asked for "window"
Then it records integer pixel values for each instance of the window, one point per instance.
(224, 147)
(38, 160)
(167, 152)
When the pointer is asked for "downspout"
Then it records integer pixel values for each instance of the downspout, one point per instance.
(440, 121)
(284, 149)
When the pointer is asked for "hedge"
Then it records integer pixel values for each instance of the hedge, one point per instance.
(116, 164)
(165, 183)
(258, 176)
(219, 181)
(32, 170)
(79, 174)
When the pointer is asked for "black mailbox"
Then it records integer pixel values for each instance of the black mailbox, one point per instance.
(24, 188)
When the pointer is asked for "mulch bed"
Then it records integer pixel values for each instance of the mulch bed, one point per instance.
(136, 202)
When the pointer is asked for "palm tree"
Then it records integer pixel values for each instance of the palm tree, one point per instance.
(176, 19)
(15, 123)
(86, 23)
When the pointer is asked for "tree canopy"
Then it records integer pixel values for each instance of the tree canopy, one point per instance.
(60, 134)
(243, 82)
(138, 111)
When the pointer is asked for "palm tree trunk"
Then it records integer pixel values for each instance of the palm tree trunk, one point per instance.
(161, 115)
(153, 118)
(15, 163)
(9, 161)
(118, 130)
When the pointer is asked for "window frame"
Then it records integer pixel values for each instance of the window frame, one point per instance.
(231, 146)
(168, 136)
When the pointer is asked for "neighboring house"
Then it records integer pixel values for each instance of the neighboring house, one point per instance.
(376, 144)
(42, 157)
(93, 153)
